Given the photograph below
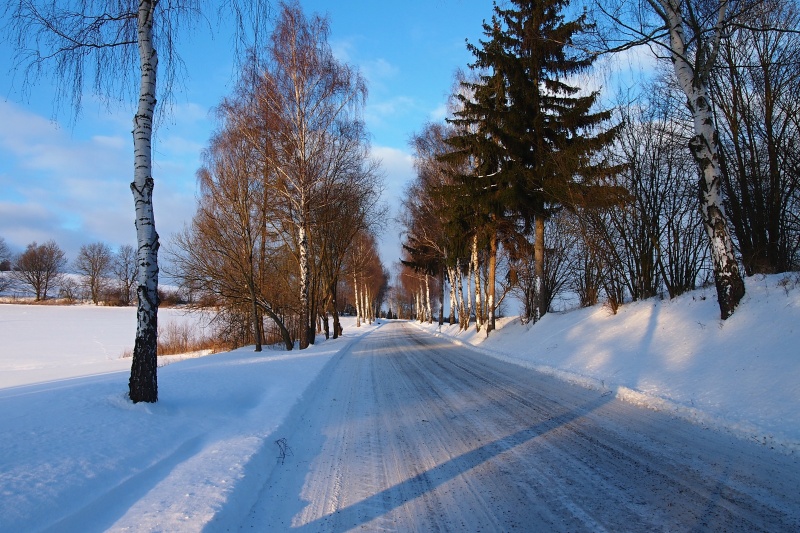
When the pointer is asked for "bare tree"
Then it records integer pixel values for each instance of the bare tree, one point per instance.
(304, 121)
(40, 267)
(5, 265)
(123, 267)
(691, 32)
(756, 88)
(114, 43)
(94, 264)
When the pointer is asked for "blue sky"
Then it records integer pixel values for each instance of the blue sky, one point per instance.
(70, 182)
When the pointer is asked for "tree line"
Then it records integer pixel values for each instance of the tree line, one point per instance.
(530, 187)
(103, 275)
(289, 195)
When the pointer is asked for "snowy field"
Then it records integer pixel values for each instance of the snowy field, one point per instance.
(741, 375)
(76, 455)
(52, 342)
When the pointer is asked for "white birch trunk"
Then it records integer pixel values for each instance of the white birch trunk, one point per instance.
(705, 149)
(367, 310)
(475, 269)
(428, 308)
(358, 302)
(454, 305)
(468, 308)
(365, 303)
(420, 311)
(304, 271)
(143, 384)
(463, 311)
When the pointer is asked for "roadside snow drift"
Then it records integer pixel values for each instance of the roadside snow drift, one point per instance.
(741, 374)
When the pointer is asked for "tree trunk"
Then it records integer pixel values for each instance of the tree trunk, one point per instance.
(704, 147)
(492, 274)
(451, 273)
(475, 269)
(304, 289)
(428, 309)
(287, 337)
(441, 297)
(357, 301)
(256, 320)
(463, 310)
(538, 270)
(143, 384)
(334, 312)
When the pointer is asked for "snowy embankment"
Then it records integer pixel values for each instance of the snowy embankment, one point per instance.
(742, 374)
(76, 455)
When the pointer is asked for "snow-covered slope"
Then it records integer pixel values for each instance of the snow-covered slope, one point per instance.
(742, 374)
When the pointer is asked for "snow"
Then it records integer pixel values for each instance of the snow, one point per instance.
(76, 455)
(740, 375)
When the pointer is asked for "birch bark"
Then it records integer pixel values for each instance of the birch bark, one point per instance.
(704, 145)
(475, 269)
(304, 289)
(143, 383)
(451, 273)
(428, 309)
(358, 301)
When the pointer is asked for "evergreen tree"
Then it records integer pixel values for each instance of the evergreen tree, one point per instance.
(534, 135)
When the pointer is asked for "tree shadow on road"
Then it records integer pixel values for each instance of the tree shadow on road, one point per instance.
(396, 496)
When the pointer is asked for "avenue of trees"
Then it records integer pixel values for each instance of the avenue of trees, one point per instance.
(289, 196)
(531, 187)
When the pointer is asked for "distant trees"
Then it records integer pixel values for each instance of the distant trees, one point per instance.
(5, 265)
(5, 256)
(40, 267)
(94, 264)
(123, 267)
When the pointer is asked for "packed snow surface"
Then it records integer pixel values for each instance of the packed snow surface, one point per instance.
(741, 374)
(76, 455)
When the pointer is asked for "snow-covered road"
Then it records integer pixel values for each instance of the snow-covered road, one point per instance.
(407, 432)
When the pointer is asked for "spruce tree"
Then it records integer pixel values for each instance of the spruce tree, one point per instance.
(532, 132)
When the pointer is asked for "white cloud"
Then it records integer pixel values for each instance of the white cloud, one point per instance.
(398, 167)
(54, 185)
(439, 113)
(377, 113)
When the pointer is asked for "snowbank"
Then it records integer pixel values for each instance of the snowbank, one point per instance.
(76, 455)
(742, 374)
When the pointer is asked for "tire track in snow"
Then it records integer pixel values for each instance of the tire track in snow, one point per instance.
(408, 432)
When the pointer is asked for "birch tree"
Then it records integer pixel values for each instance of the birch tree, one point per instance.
(691, 33)
(305, 106)
(110, 46)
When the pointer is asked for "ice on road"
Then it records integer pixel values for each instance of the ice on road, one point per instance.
(408, 432)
